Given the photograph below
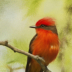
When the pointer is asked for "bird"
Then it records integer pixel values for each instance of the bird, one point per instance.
(45, 44)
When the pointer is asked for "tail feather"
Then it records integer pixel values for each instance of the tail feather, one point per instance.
(34, 67)
(41, 70)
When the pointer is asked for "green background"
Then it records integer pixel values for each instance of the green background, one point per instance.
(15, 18)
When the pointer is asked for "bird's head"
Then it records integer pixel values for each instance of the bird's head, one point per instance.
(45, 24)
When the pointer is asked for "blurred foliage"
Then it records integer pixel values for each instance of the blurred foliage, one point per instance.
(15, 18)
(16, 57)
(32, 6)
(2, 2)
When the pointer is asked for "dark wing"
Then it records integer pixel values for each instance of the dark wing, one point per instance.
(28, 58)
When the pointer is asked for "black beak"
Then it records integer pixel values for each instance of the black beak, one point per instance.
(33, 27)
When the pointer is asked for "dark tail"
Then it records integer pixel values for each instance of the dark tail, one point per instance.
(33, 66)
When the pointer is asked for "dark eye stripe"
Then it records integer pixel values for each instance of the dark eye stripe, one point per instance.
(52, 28)
(42, 25)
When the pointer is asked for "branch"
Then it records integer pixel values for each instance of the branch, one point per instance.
(37, 58)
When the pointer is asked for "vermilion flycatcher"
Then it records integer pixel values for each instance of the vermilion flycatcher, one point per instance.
(44, 44)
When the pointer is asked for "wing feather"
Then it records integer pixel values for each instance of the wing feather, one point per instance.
(28, 58)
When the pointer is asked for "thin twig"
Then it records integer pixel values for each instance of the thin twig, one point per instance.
(37, 58)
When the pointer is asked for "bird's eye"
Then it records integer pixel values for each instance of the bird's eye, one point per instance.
(42, 25)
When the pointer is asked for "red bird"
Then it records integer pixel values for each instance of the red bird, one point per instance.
(44, 44)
